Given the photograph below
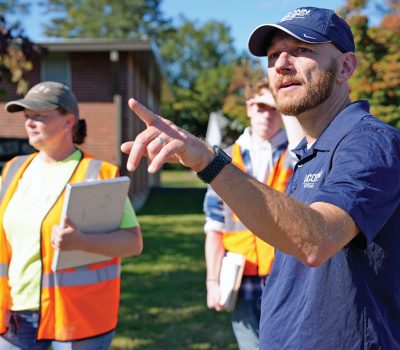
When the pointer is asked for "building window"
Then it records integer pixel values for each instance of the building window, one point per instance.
(56, 67)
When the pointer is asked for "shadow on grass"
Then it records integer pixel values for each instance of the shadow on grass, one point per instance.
(174, 201)
(163, 301)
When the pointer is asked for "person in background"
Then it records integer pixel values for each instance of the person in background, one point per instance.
(262, 151)
(335, 281)
(75, 308)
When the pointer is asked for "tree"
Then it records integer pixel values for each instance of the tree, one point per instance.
(105, 18)
(199, 59)
(207, 75)
(199, 62)
(16, 50)
(378, 76)
(247, 71)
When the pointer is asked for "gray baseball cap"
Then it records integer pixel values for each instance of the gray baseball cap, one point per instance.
(44, 97)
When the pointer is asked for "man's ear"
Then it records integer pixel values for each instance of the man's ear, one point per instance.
(347, 64)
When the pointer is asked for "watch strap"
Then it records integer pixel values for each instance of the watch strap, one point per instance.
(215, 166)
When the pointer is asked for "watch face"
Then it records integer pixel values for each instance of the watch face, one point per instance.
(222, 154)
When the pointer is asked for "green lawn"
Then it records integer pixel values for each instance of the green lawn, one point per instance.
(180, 178)
(163, 302)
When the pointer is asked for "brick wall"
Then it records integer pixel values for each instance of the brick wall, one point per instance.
(101, 132)
(11, 125)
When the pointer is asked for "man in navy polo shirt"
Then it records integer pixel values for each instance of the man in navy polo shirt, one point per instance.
(335, 283)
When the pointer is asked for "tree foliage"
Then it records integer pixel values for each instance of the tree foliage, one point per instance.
(199, 59)
(246, 71)
(105, 18)
(16, 50)
(378, 76)
(199, 62)
(207, 75)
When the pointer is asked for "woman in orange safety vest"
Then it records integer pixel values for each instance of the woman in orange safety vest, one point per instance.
(74, 308)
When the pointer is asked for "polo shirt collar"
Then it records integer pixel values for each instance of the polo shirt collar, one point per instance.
(338, 128)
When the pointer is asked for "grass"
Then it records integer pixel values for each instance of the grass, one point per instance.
(163, 301)
(181, 179)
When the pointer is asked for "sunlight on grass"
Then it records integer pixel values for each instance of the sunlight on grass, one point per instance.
(180, 314)
(180, 178)
(125, 343)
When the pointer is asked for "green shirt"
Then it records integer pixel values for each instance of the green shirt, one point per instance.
(38, 189)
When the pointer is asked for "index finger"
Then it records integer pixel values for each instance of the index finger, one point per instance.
(147, 116)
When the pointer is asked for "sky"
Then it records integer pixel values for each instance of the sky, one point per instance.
(241, 15)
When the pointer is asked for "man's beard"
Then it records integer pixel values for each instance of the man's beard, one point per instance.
(316, 93)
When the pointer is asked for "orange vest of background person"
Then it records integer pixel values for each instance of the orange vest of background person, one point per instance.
(74, 303)
(237, 238)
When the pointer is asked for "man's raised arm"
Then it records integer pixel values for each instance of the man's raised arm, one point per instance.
(310, 233)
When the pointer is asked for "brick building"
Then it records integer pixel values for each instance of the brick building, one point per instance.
(103, 73)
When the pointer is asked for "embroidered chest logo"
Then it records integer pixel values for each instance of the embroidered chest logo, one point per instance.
(311, 179)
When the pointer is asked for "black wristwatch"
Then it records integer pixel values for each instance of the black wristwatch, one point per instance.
(212, 170)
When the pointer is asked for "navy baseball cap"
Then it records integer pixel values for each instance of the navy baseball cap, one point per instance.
(309, 24)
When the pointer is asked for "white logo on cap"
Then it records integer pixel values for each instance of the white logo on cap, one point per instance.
(40, 90)
(298, 13)
(309, 37)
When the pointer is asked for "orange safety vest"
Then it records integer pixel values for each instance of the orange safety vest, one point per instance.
(75, 303)
(237, 238)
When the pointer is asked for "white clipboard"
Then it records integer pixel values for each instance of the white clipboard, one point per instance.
(94, 206)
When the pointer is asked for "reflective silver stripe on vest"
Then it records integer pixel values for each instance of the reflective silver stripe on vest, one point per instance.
(82, 276)
(3, 270)
(93, 169)
(12, 170)
(230, 224)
